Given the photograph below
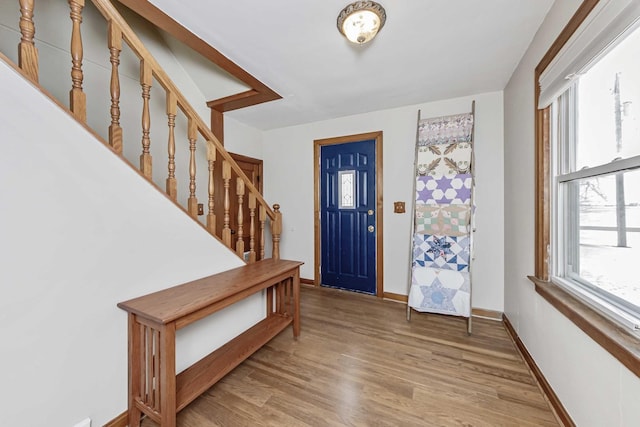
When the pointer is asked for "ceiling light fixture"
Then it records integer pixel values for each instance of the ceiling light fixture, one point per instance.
(360, 21)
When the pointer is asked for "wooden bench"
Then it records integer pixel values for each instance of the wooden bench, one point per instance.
(154, 388)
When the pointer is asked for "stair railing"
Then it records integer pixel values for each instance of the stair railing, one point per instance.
(118, 32)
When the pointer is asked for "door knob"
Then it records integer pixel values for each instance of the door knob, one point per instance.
(370, 228)
(370, 212)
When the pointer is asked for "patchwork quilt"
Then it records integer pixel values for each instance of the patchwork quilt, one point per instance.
(441, 291)
(454, 189)
(444, 159)
(449, 220)
(445, 130)
(445, 252)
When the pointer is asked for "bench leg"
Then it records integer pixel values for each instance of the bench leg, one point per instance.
(135, 370)
(168, 403)
(295, 284)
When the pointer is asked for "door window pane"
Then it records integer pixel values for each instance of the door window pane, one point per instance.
(346, 187)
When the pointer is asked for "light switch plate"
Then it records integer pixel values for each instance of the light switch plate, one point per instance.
(84, 423)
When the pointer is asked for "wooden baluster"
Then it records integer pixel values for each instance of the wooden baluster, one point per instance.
(240, 193)
(146, 77)
(172, 183)
(252, 227)
(192, 203)
(27, 52)
(211, 216)
(276, 230)
(226, 177)
(262, 217)
(115, 47)
(77, 98)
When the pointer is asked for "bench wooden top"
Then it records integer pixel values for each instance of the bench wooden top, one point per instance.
(170, 304)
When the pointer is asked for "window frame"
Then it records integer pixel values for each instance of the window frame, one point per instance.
(620, 343)
(565, 227)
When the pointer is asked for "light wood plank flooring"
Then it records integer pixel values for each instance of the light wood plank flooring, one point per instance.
(358, 362)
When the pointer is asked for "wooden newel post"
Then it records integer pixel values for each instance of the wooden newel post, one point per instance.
(192, 202)
(77, 97)
(276, 230)
(226, 177)
(146, 77)
(240, 193)
(211, 216)
(27, 52)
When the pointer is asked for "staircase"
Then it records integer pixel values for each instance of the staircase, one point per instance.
(185, 132)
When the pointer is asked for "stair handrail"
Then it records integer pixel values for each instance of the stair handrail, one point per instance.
(119, 30)
(111, 14)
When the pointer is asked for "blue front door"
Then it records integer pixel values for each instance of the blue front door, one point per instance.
(347, 216)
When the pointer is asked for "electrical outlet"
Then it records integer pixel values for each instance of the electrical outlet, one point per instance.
(84, 423)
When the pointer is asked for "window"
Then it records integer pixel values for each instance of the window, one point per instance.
(593, 86)
(346, 189)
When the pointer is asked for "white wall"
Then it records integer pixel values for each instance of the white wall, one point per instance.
(594, 387)
(81, 231)
(288, 162)
(242, 139)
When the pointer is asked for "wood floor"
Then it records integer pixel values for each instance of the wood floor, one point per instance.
(358, 362)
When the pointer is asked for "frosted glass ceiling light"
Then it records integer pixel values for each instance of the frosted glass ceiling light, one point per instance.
(360, 21)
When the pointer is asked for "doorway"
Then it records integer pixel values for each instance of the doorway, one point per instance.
(253, 169)
(348, 213)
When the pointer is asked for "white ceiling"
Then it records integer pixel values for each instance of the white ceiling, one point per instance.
(428, 50)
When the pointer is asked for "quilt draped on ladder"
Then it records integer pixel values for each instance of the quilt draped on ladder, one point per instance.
(443, 210)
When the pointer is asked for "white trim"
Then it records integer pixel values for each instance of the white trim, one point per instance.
(600, 303)
(600, 32)
(555, 249)
(564, 226)
(608, 168)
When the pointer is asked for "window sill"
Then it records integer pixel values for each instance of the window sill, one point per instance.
(620, 343)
